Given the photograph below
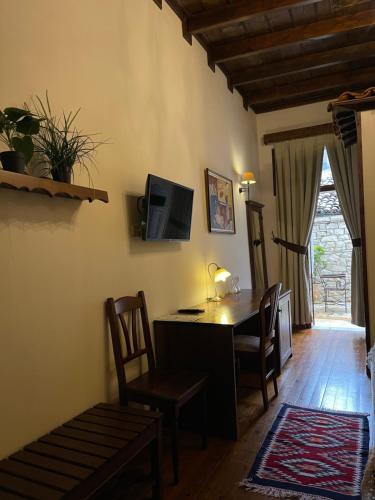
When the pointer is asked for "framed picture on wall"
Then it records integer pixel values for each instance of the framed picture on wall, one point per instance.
(220, 206)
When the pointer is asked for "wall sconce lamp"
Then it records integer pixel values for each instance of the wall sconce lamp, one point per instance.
(247, 179)
(220, 274)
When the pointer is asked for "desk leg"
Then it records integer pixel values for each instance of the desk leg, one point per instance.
(203, 395)
(156, 461)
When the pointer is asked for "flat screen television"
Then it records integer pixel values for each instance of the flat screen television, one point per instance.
(167, 210)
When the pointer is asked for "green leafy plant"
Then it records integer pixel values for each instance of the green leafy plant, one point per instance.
(64, 145)
(16, 128)
(319, 262)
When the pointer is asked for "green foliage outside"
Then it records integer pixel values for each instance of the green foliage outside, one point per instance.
(319, 261)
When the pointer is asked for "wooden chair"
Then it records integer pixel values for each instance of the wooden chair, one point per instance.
(164, 390)
(258, 352)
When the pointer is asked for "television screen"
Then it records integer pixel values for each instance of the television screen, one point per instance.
(168, 210)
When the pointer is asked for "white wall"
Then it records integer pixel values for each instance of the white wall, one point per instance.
(125, 63)
(139, 83)
(368, 151)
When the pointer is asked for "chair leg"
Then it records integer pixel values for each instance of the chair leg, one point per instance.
(274, 375)
(175, 447)
(264, 394)
(237, 368)
(156, 460)
(275, 383)
(204, 418)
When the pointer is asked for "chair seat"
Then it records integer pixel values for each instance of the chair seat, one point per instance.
(246, 343)
(173, 386)
(250, 344)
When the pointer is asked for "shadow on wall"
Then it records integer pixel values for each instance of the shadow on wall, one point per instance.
(136, 244)
(109, 366)
(37, 209)
(236, 178)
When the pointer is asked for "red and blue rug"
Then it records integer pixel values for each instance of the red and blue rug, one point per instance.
(312, 454)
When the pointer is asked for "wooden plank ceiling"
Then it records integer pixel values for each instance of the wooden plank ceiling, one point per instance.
(283, 53)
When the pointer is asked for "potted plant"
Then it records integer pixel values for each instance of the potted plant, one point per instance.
(16, 128)
(61, 142)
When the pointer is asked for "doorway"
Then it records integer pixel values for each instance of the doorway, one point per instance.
(331, 258)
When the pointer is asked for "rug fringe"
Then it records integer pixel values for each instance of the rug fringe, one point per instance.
(327, 410)
(277, 492)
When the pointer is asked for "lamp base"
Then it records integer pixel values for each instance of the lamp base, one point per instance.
(215, 299)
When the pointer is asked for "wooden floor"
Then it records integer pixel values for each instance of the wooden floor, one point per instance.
(327, 370)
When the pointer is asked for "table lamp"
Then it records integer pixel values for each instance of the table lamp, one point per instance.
(247, 179)
(220, 274)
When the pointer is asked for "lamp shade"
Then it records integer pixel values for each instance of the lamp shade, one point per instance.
(221, 274)
(248, 178)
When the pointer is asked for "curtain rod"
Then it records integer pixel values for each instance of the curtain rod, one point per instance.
(298, 133)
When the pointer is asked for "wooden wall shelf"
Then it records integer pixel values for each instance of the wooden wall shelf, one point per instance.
(21, 182)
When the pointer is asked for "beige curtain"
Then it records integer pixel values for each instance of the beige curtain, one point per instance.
(298, 172)
(344, 168)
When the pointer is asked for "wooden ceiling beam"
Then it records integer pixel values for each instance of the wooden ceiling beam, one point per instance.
(241, 47)
(303, 63)
(302, 100)
(298, 133)
(313, 85)
(270, 107)
(236, 12)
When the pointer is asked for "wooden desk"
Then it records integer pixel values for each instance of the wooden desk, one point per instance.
(205, 342)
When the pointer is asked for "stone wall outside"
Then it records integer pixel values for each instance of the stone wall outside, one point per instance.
(330, 232)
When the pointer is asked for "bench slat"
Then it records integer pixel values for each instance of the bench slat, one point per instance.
(7, 495)
(90, 437)
(66, 455)
(128, 410)
(28, 488)
(78, 458)
(124, 415)
(118, 417)
(74, 444)
(52, 464)
(107, 422)
(100, 429)
(38, 475)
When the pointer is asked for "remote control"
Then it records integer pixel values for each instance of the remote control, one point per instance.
(190, 311)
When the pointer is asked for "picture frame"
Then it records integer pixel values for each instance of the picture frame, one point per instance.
(220, 203)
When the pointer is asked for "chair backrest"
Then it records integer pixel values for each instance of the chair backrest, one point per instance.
(125, 315)
(334, 281)
(268, 313)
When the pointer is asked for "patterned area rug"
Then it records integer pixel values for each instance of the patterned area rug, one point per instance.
(312, 454)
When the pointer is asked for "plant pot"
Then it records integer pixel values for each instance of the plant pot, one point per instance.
(61, 174)
(13, 161)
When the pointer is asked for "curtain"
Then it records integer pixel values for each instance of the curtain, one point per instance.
(298, 172)
(344, 168)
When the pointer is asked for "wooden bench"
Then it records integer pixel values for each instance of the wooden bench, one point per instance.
(78, 459)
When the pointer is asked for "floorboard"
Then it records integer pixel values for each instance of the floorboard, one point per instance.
(327, 370)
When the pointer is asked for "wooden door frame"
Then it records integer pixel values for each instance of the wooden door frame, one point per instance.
(253, 206)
